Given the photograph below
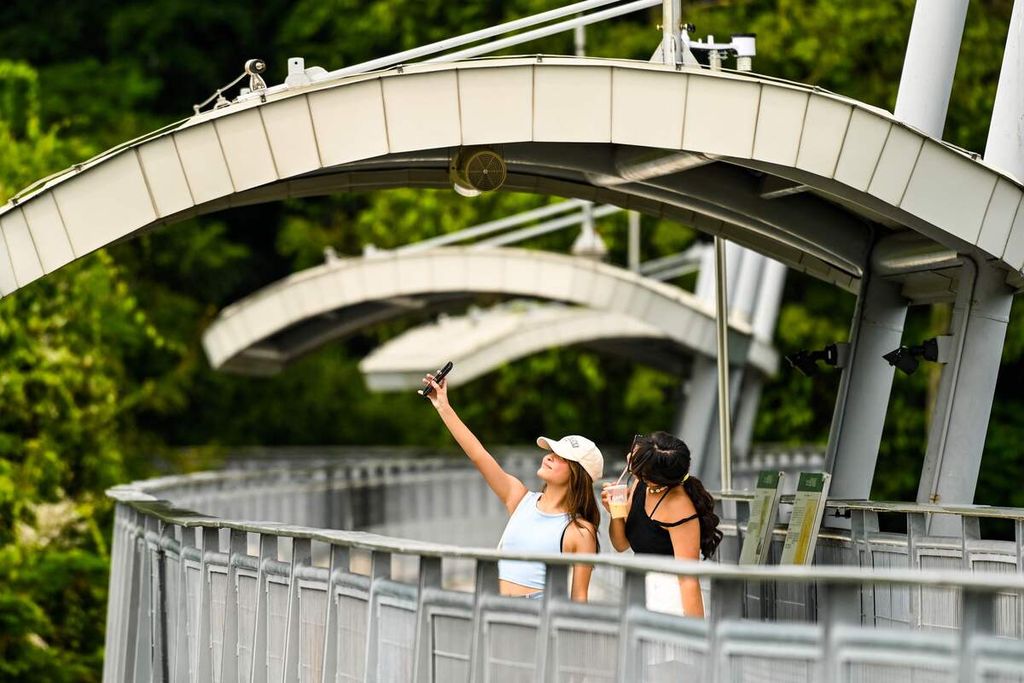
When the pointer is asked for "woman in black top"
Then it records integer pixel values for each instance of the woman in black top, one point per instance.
(670, 513)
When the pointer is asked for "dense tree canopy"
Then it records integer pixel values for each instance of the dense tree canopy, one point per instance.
(102, 378)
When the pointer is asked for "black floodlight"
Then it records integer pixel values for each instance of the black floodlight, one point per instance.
(806, 362)
(905, 358)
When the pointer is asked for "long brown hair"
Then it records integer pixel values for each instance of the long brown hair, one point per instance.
(580, 502)
(663, 460)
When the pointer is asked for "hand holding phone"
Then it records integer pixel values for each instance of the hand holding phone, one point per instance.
(438, 377)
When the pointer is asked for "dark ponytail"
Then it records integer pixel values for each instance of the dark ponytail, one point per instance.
(664, 460)
(704, 504)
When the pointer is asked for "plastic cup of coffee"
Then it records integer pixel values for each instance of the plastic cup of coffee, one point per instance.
(617, 496)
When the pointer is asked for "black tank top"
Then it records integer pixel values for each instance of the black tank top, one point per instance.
(646, 535)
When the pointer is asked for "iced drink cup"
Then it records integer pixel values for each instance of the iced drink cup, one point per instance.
(617, 495)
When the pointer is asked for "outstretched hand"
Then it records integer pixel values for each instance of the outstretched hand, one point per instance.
(439, 395)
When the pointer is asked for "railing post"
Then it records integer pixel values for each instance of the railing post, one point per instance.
(726, 604)
(131, 623)
(430, 579)
(979, 618)
(380, 570)
(634, 595)
(184, 658)
(556, 586)
(238, 548)
(486, 586)
(916, 525)
(204, 639)
(302, 556)
(115, 595)
(158, 531)
(143, 635)
(970, 531)
(838, 605)
(268, 553)
(1018, 557)
(340, 562)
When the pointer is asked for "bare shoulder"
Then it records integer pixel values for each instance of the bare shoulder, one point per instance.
(581, 536)
(677, 505)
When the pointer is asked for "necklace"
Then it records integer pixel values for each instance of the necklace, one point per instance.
(654, 490)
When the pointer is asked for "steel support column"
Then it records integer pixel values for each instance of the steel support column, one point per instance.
(863, 397)
(930, 62)
(1005, 146)
(959, 422)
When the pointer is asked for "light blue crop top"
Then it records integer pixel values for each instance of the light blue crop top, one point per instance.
(530, 531)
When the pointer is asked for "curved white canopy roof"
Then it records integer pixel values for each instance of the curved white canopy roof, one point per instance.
(484, 340)
(267, 329)
(582, 127)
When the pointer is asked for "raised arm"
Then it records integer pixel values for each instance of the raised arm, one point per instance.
(508, 489)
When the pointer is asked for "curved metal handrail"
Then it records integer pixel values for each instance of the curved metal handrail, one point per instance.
(165, 511)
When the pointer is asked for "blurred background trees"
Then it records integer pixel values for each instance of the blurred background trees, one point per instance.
(102, 378)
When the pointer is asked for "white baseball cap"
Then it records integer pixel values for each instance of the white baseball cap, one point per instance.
(579, 449)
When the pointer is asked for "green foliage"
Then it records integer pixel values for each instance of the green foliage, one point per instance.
(101, 369)
(67, 344)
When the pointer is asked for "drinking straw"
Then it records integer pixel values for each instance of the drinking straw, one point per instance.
(624, 470)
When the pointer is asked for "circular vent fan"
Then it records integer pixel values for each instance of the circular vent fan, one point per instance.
(485, 170)
(478, 170)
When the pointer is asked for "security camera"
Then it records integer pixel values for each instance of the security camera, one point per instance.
(905, 358)
(254, 67)
(806, 362)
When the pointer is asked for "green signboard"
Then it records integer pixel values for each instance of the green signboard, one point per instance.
(808, 509)
(763, 510)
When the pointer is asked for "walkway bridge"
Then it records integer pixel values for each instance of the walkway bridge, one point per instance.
(871, 201)
(301, 312)
(315, 596)
(626, 312)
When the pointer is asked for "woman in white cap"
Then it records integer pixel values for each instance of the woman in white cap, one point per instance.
(561, 518)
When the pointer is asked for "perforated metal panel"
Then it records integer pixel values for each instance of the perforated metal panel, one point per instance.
(218, 597)
(892, 603)
(246, 586)
(277, 628)
(940, 607)
(172, 596)
(585, 656)
(351, 638)
(890, 673)
(192, 586)
(1008, 605)
(452, 643)
(396, 635)
(312, 615)
(511, 653)
(761, 668)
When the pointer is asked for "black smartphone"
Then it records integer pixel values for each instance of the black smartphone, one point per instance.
(438, 376)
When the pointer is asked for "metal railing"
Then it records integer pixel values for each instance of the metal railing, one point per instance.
(199, 597)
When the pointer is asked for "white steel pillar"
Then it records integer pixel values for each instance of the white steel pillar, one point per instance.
(769, 299)
(634, 241)
(671, 44)
(929, 64)
(744, 295)
(746, 413)
(1005, 146)
(959, 422)
(755, 290)
(863, 397)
